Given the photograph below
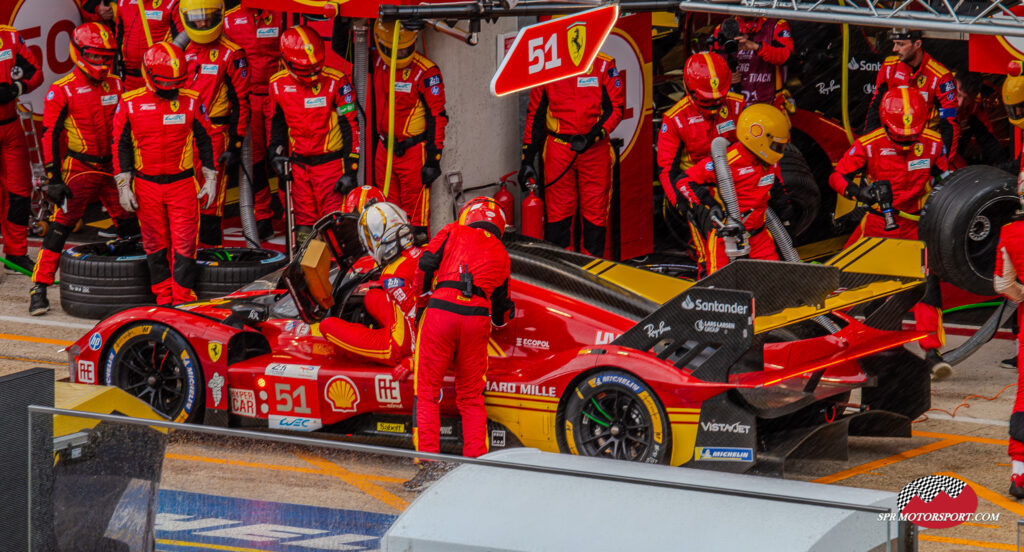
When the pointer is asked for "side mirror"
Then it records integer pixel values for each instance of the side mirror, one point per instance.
(246, 313)
(316, 268)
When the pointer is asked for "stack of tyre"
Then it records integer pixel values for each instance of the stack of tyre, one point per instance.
(98, 279)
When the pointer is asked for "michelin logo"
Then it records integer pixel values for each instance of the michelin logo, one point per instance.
(729, 454)
(713, 306)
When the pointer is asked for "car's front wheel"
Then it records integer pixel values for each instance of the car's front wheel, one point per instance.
(153, 362)
(613, 414)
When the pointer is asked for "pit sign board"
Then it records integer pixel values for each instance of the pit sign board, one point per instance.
(554, 50)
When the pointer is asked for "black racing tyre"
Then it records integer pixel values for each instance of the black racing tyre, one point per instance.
(223, 270)
(960, 225)
(97, 279)
(614, 414)
(154, 363)
(801, 190)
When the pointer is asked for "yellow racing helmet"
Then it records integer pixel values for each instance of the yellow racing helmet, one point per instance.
(203, 19)
(384, 35)
(1013, 93)
(764, 130)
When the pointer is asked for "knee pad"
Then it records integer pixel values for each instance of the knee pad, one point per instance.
(19, 209)
(593, 238)
(209, 230)
(559, 232)
(159, 269)
(184, 271)
(55, 237)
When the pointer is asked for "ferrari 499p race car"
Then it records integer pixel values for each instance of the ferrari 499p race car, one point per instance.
(735, 372)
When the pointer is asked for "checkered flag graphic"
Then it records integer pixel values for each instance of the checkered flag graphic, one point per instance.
(928, 487)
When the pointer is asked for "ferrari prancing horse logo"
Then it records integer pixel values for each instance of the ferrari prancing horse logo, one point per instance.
(577, 42)
(215, 349)
(918, 149)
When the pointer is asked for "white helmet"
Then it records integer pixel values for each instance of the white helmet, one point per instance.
(384, 232)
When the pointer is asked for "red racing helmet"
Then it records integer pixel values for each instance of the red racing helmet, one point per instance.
(164, 67)
(484, 213)
(707, 77)
(361, 198)
(303, 53)
(904, 114)
(93, 49)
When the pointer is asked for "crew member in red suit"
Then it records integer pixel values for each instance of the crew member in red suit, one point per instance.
(220, 74)
(77, 120)
(157, 132)
(164, 24)
(314, 125)
(355, 202)
(420, 121)
(385, 233)
(568, 123)
(467, 268)
(20, 73)
(258, 32)
(708, 110)
(906, 157)
(913, 67)
(763, 132)
(761, 48)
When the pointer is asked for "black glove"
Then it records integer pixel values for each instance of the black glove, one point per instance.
(782, 208)
(58, 192)
(582, 142)
(278, 160)
(9, 91)
(347, 182)
(862, 194)
(526, 170)
(882, 192)
(704, 217)
(229, 159)
(430, 171)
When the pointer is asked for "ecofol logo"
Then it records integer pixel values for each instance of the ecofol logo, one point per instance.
(937, 502)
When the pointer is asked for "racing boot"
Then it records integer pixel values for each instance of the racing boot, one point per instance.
(265, 229)
(940, 368)
(38, 304)
(21, 261)
(1009, 363)
(1017, 485)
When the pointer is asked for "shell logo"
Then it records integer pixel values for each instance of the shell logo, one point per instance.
(341, 394)
(756, 130)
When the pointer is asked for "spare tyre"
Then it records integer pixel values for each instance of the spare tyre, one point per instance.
(801, 191)
(960, 225)
(222, 270)
(98, 279)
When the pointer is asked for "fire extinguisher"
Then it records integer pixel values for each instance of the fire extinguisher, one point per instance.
(532, 208)
(505, 199)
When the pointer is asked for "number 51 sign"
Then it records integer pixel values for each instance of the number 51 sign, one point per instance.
(554, 50)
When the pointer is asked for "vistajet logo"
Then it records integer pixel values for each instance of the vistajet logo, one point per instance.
(714, 306)
(735, 427)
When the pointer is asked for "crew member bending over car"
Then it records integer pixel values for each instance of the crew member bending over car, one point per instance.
(77, 126)
(467, 268)
(385, 233)
(157, 130)
(707, 111)
(897, 165)
(763, 132)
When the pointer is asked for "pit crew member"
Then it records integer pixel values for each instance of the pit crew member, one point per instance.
(1013, 101)
(465, 272)
(220, 76)
(568, 123)
(20, 73)
(760, 48)
(355, 202)
(708, 110)
(164, 24)
(420, 121)
(913, 67)
(763, 132)
(157, 132)
(315, 123)
(77, 126)
(898, 164)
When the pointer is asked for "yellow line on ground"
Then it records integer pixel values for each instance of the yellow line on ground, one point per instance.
(864, 468)
(358, 481)
(262, 466)
(972, 524)
(30, 339)
(995, 498)
(207, 546)
(1001, 442)
(33, 360)
(968, 542)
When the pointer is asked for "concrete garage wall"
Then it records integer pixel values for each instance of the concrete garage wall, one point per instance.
(482, 140)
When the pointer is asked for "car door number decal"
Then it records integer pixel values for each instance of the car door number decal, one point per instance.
(291, 400)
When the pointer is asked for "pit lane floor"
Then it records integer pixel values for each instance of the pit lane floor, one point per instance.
(259, 496)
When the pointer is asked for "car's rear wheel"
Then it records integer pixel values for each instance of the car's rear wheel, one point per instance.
(613, 414)
(153, 362)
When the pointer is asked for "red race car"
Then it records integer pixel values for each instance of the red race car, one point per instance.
(602, 359)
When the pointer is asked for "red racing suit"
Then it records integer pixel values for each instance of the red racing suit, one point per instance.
(910, 173)
(157, 140)
(936, 85)
(1009, 262)
(762, 71)
(318, 126)
(258, 32)
(15, 174)
(164, 24)
(77, 126)
(420, 121)
(755, 184)
(686, 135)
(468, 269)
(220, 74)
(588, 104)
(392, 306)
